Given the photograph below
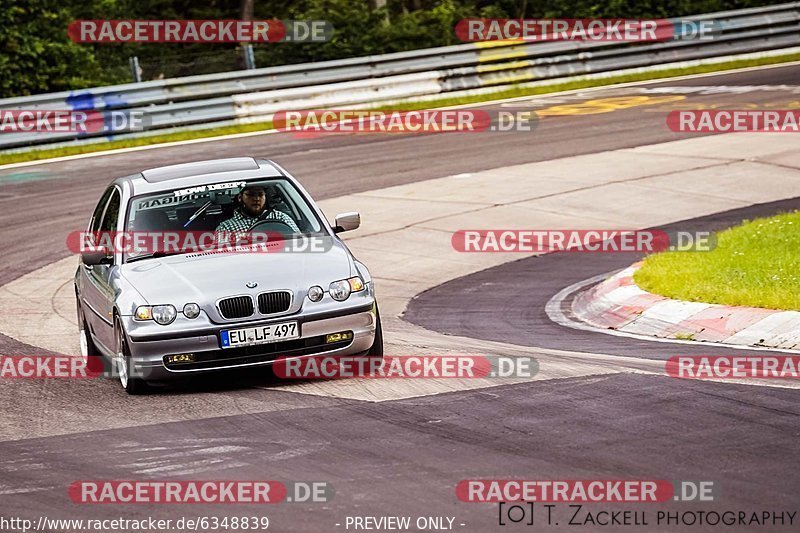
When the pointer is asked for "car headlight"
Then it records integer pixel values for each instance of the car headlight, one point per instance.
(191, 310)
(164, 314)
(315, 293)
(340, 290)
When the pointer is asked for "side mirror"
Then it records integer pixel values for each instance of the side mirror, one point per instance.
(96, 256)
(346, 222)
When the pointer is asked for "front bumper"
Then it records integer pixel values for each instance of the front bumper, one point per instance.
(148, 353)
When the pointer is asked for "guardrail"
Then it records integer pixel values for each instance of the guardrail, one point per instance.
(255, 95)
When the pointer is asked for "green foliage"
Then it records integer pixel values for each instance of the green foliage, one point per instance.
(37, 56)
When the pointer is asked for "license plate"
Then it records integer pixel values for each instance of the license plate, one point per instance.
(259, 335)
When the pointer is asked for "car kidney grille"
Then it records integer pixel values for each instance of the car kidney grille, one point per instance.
(274, 302)
(236, 307)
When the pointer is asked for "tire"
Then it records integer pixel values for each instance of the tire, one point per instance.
(124, 364)
(96, 363)
(376, 350)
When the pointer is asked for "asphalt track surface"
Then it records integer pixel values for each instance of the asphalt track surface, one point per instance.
(404, 457)
(460, 306)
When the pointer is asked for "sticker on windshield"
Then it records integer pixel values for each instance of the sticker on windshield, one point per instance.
(212, 187)
(175, 200)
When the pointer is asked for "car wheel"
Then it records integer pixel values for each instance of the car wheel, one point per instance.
(95, 362)
(124, 364)
(377, 346)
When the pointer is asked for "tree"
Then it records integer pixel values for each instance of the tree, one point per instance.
(37, 54)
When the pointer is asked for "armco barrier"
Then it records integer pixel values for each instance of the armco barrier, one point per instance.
(254, 95)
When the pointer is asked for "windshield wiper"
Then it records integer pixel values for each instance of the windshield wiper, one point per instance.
(151, 255)
(197, 213)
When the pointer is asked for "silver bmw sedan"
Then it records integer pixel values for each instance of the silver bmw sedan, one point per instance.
(212, 265)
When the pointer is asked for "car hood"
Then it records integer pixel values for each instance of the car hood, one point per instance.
(206, 277)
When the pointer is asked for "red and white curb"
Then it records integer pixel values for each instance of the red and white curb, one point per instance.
(619, 304)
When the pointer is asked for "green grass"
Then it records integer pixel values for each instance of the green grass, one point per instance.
(512, 92)
(755, 264)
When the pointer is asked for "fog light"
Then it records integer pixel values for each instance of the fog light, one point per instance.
(338, 337)
(179, 358)
(191, 310)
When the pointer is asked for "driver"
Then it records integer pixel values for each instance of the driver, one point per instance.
(253, 208)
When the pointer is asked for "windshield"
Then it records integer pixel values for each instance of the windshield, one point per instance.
(263, 205)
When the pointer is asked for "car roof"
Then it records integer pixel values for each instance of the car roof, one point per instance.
(200, 172)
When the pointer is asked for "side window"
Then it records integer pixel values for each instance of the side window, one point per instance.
(111, 215)
(94, 224)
